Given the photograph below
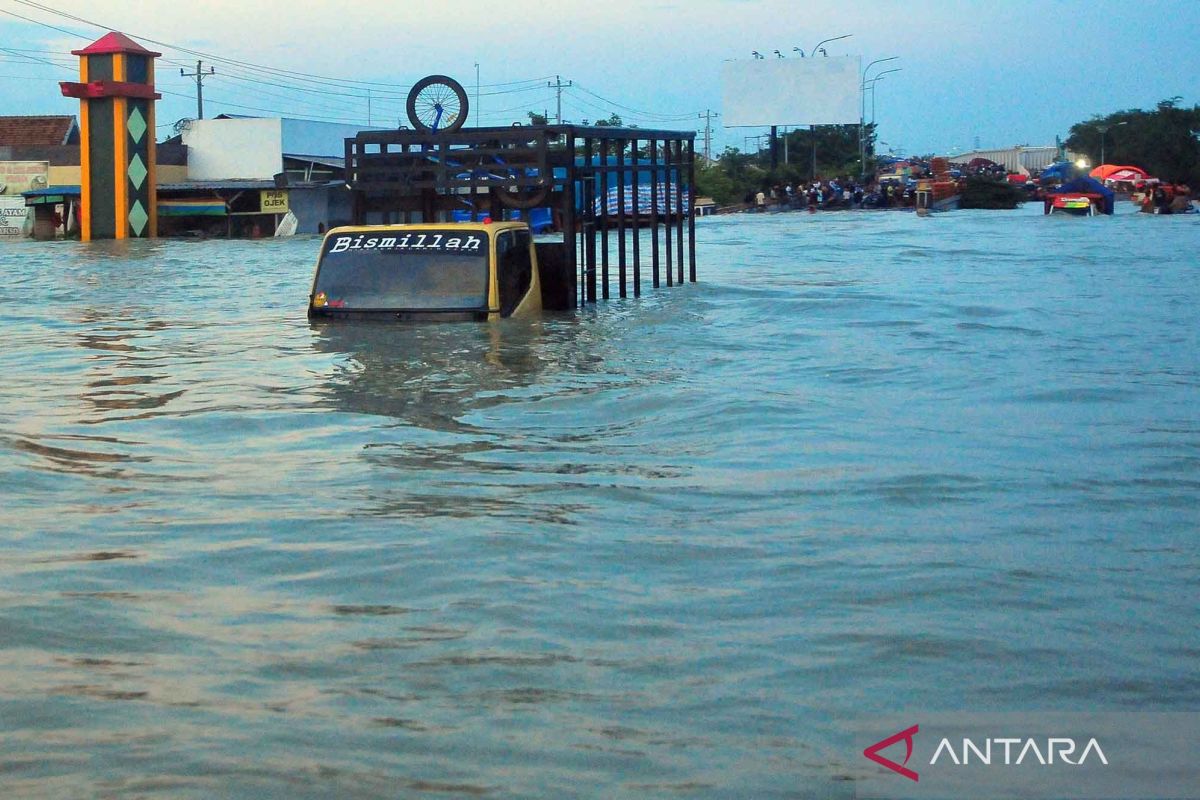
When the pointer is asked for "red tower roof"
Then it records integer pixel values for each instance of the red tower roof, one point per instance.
(114, 43)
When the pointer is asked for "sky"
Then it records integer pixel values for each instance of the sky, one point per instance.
(996, 73)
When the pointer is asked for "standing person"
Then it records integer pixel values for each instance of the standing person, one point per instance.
(760, 200)
(1181, 203)
(1162, 200)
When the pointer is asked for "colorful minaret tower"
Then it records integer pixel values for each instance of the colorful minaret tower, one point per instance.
(116, 124)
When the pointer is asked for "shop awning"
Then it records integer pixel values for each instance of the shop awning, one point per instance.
(206, 207)
(51, 195)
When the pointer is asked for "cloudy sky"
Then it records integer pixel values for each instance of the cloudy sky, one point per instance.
(996, 72)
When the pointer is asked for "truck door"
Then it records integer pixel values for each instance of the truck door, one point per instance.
(514, 269)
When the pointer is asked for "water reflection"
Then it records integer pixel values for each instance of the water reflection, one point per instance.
(429, 375)
(446, 454)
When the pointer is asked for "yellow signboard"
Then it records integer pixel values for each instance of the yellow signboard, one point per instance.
(274, 201)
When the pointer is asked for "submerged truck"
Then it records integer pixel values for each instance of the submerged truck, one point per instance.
(433, 271)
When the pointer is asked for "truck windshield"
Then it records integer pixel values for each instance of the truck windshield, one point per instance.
(428, 270)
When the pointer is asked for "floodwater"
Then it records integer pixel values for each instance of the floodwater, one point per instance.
(662, 547)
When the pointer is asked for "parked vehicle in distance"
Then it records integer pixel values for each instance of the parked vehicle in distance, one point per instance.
(430, 271)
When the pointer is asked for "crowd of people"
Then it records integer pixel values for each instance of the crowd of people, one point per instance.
(837, 193)
(899, 190)
(1163, 198)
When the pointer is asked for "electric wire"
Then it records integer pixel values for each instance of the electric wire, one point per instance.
(386, 99)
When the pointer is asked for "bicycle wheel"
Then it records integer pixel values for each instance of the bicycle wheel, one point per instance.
(521, 197)
(437, 103)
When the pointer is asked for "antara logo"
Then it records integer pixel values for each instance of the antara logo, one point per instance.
(1016, 751)
(906, 736)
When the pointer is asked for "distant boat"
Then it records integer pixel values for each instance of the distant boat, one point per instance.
(1082, 197)
(1075, 204)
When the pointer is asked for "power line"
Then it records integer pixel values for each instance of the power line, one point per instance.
(635, 110)
(32, 58)
(250, 73)
(43, 24)
(324, 79)
(315, 85)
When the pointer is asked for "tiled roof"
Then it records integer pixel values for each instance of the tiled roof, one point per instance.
(35, 131)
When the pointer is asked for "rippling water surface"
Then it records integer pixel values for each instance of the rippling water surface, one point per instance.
(658, 548)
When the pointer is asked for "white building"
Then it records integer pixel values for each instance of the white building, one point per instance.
(1015, 159)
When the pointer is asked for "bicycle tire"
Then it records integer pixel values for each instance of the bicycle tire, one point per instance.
(435, 99)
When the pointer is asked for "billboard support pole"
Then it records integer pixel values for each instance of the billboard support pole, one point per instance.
(812, 132)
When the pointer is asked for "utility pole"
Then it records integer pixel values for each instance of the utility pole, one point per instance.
(368, 108)
(558, 85)
(199, 75)
(707, 116)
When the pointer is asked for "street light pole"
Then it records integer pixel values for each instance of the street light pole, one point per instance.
(827, 41)
(862, 114)
(874, 80)
(1104, 130)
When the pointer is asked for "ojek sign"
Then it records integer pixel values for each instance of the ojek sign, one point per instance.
(1041, 755)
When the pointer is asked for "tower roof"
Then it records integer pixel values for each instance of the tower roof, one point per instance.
(114, 42)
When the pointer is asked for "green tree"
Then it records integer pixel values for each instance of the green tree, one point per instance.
(731, 176)
(1162, 141)
(835, 147)
(537, 119)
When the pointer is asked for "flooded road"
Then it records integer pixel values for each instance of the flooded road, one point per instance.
(657, 548)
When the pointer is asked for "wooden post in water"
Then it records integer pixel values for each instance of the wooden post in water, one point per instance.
(587, 191)
(692, 210)
(637, 226)
(679, 206)
(668, 153)
(654, 210)
(621, 214)
(603, 227)
(570, 235)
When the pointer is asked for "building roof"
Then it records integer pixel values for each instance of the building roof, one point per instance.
(51, 195)
(36, 131)
(338, 162)
(114, 42)
(236, 183)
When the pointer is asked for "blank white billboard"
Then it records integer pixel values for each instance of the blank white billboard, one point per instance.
(790, 91)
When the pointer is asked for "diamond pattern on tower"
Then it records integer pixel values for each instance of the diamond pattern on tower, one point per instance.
(138, 217)
(136, 125)
(137, 171)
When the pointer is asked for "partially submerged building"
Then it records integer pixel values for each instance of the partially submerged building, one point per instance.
(245, 173)
(39, 155)
(228, 177)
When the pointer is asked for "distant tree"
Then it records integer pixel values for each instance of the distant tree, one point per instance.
(1163, 141)
(614, 121)
(837, 150)
(537, 119)
(731, 176)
